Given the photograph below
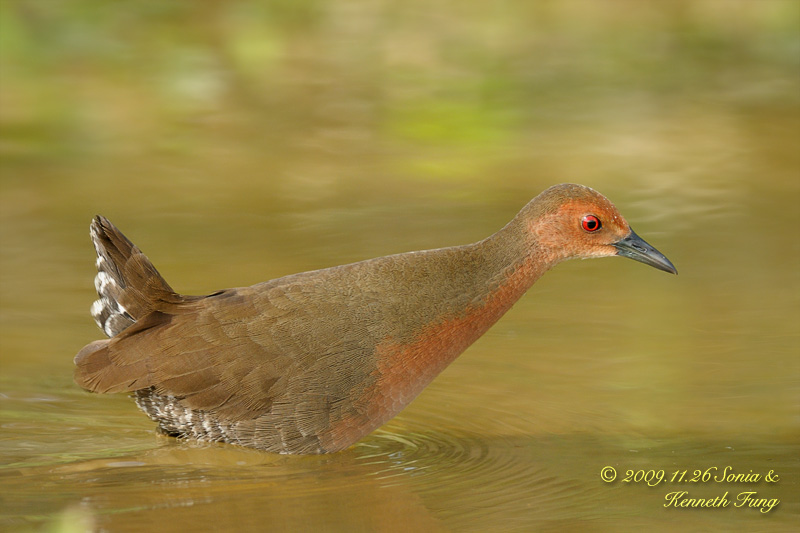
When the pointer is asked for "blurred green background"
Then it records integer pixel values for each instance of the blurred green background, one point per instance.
(237, 141)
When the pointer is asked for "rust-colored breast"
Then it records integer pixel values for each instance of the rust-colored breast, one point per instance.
(404, 369)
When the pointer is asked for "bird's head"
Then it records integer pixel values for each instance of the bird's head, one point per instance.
(574, 221)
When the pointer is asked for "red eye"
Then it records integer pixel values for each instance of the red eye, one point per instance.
(591, 223)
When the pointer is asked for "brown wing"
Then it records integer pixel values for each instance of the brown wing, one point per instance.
(240, 352)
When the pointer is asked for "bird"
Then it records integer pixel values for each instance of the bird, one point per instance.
(310, 363)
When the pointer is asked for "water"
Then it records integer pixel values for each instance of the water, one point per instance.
(238, 143)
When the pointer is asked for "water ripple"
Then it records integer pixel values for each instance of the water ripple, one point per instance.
(478, 474)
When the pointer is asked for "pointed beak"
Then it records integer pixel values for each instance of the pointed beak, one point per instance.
(636, 248)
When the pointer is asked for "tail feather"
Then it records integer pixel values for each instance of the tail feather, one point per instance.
(132, 295)
(128, 284)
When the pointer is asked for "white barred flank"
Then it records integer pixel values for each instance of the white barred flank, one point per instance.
(175, 419)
